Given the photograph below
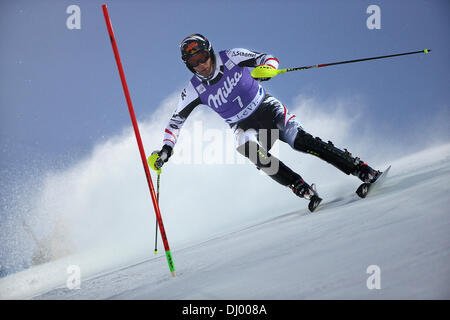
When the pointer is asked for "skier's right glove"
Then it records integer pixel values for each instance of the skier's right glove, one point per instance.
(158, 158)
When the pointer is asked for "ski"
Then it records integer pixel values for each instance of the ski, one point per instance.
(314, 203)
(315, 200)
(365, 188)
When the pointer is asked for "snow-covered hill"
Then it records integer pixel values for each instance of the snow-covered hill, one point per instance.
(403, 231)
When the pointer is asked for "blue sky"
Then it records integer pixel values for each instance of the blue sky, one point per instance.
(61, 94)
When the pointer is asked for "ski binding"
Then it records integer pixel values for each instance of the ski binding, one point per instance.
(365, 188)
(315, 200)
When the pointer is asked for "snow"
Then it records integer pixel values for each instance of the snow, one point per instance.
(403, 228)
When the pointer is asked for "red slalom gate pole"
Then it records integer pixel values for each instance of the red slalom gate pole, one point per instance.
(139, 140)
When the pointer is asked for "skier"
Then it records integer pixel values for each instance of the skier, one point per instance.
(223, 82)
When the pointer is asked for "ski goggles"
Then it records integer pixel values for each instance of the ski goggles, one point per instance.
(198, 58)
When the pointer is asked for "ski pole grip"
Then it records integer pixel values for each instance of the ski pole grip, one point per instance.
(152, 160)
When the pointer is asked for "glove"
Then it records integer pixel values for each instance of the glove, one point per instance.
(262, 79)
(264, 68)
(158, 158)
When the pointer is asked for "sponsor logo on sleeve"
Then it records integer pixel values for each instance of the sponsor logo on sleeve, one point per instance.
(244, 54)
(175, 120)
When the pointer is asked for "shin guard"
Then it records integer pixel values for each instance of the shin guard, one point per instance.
(269, 164)
(326, 151)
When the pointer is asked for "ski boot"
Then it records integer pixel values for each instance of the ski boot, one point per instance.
(304, 190)
(367, 175)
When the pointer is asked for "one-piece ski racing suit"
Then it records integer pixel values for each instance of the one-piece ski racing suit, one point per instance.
(245, 105)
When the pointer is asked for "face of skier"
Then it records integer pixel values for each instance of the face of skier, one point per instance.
(202, 63)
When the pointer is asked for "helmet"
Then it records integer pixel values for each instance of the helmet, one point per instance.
(192, 45)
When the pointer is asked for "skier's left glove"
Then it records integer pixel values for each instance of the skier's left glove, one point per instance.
(265, 79)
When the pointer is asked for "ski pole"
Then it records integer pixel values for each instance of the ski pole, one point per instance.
(265, 71)
(139, 140)
(151, 163)
(157, 199)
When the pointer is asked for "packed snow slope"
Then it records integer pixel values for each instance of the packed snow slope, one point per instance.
(402, 230)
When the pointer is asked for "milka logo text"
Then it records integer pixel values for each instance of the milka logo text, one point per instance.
(223, 93)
